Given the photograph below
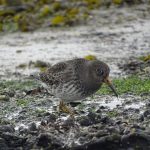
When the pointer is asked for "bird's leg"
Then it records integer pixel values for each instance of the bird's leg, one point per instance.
(63, 107)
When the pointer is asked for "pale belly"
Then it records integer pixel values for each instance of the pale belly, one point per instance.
(67, 93)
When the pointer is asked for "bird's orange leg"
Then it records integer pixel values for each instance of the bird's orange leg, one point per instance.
(64, 108)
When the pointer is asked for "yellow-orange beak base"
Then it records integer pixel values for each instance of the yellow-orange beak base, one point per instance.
(109, 83)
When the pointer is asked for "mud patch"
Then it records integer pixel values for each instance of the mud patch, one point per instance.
(99, 121)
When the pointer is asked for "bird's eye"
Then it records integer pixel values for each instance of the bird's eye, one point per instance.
(100, 72)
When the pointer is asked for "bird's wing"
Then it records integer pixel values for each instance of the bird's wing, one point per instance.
(58, 73)
(63, 72)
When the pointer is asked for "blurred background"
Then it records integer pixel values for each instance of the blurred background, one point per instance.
(35, 33)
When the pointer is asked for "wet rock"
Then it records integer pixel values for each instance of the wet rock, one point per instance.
(4, 121)
(74, 104)
(148, 104)
(7, 128)
(98, 111)
(84, 121)
(94, 117)
(91, 118)
(9, 93)
(32, 126)
(21, 117)
(102, 107)
(46, 114)
(43, 123)
(101, 133)
(23, 130)
(113, 130)
(135, 140)
(51, 118)
(3, 145)
(111, 142)
(47, 140)
(105, 120)
(69, 122)
(13, 141)
(118, 122)
(141, 118)
(23, 111)
(126, 130)
(146, 113)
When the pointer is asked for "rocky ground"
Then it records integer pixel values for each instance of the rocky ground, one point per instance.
(29, 118)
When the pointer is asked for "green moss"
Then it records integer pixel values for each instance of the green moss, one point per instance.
(45, 11)
(145, 58)
(118, 2)
(132, 84)
(58, 20)
(23, 66)
(90, 57)
(56, 6)
(40, 64)
(22, 102)
(37, 15)
(112, 113)
(93, 3)
(1, 27)
(17, 85)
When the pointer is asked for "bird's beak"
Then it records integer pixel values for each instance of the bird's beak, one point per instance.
(109, 83)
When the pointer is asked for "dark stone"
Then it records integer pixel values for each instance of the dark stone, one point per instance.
(3, 145)
(23, 111)
(74, 104)
(32, 126)
(118, 122)
(148, 104)
(13, 140)
(90, 119)
(102, 107)
(43, 123)
(84, 121)
(46, 114)
(94, 118)
(23, 130)
(146, 113)
(113, 129)
(7, 128)
(9, 93)
(111, 142)
(21, 117)
(47, 140)
(99, 111)
(51, 118)
(105, 120)
(136, 140)
(101, 133)
(141, 118)
(69, 122)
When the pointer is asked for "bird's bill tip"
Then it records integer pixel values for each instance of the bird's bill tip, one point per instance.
(109, 83)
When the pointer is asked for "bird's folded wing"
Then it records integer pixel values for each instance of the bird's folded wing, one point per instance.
(56, 74)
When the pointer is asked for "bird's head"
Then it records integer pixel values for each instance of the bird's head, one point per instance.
(102, 74)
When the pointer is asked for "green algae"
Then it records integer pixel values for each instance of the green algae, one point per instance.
(132, 84)
(26, 15)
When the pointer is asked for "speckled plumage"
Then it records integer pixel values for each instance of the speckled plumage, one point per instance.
(74, 79)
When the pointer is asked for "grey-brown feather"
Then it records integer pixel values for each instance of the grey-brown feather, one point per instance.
(71, 80)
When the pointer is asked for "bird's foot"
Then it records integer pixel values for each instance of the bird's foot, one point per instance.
(64, 108)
